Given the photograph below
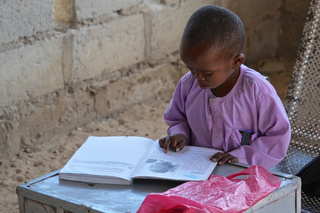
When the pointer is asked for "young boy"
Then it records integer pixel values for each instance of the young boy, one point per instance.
(221, 103)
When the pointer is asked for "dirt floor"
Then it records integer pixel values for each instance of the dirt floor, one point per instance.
(145, 119)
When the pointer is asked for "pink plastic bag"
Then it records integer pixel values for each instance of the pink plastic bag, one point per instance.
(215, 195)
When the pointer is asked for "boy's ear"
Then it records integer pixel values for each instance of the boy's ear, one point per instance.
(238, 60)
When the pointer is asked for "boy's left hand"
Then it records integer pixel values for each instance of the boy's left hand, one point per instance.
(222, 158)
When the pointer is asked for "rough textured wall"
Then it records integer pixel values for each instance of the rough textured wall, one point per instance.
(273, 28)
(261, 22)
(293, 16)
(67, 62)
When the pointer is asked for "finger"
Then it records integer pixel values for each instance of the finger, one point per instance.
(216, 157)
(224, 159)
(179, 146)
(233, 160)
(228, 159)
(181, 143)
(166, 144)
(174, 143)
(161, 142)
(220, 158)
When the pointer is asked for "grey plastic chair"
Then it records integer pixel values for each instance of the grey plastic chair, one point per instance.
(303, 104)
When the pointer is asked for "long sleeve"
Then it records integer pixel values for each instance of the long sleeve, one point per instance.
(252, 105)
(175, 115)
(270, 143)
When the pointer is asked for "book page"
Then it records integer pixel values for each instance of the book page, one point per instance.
(191, 163)
(107, 156)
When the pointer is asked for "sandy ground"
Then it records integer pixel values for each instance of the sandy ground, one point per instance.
(143, 119)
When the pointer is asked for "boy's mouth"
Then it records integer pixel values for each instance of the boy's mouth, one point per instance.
(203, 86)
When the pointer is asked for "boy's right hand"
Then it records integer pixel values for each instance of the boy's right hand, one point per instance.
(176, 142)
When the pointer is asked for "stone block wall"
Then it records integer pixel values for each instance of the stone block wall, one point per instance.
(65, 63)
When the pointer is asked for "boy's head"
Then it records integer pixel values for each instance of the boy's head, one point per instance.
(216, 27)
(211, 48)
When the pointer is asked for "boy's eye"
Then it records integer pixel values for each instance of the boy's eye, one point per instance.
(207, 74)
(204, 73)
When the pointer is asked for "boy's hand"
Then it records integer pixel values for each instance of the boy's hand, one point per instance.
(222, 158)
(176, 142)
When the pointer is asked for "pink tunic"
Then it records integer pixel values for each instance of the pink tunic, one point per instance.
(252, 105)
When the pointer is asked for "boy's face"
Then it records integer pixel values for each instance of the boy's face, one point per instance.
(210, 70)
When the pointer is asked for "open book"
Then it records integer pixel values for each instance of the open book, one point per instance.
(119, 159)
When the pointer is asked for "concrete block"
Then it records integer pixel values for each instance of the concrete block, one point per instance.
(31, 70)
(56, 115)
(9, 138)
(254, 13)
(4, 145)
(170, 2)
(64, 11)
(293, 17)
(108, 47)
(76, 111)
(24, 18)
(261, 22)
(93, 9)
(167, 25)
(67, 57)
(140, 87)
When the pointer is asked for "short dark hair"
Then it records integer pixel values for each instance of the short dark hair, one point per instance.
(216, 26)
